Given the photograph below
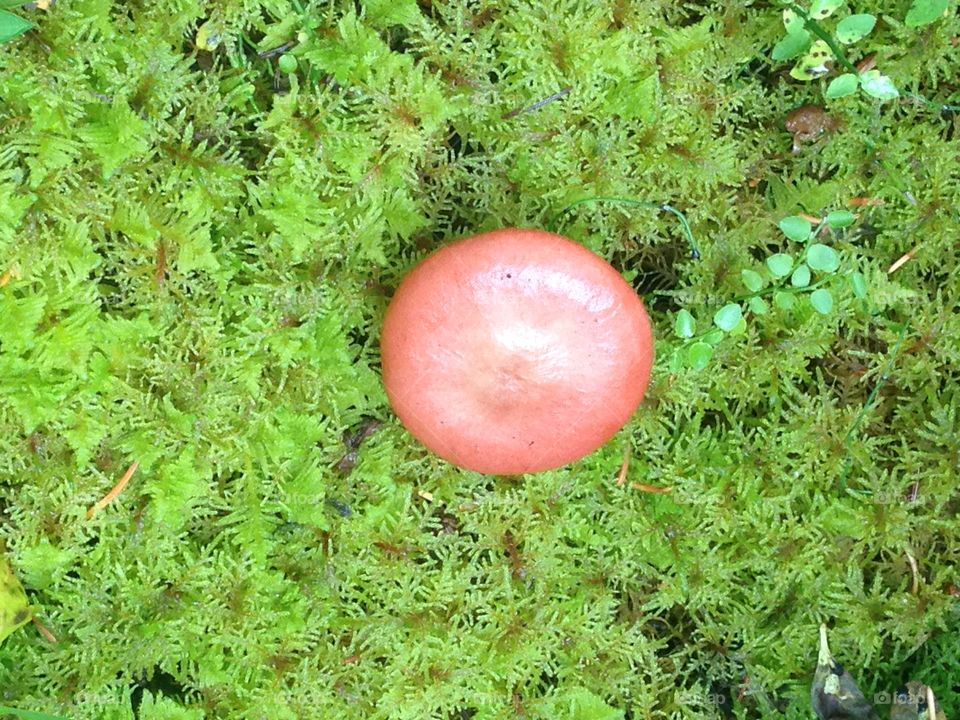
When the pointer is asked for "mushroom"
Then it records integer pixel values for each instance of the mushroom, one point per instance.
(515, 351)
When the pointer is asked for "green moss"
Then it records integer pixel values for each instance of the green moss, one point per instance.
(196, 253)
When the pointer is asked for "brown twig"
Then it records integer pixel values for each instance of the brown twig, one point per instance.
(47, 635)
(116, 490)
(868, 63)
(624, 466)
(902, 261)
(650, 488)
(914, 571)
(12, 273)
(914, 491)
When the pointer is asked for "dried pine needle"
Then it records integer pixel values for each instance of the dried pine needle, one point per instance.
(650, 488)
(624, 466)
(901, 261)
(42, 629)
(116, 490)
(914, 572)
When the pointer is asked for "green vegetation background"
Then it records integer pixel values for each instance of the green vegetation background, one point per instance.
(200, 251)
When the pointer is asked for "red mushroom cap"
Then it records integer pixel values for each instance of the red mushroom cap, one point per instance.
(515, 351)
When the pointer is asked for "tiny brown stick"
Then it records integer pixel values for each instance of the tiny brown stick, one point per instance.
(914, 491)
(650, 488)
(868, 63)
(902, 261)
(914, 571)
(116, 490)
(47, 635)
(12, 273)
(624, 466)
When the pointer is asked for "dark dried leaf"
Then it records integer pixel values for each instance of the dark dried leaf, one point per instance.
(834, 694)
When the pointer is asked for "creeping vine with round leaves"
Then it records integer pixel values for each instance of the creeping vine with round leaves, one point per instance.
(809, 38)
(810, 274)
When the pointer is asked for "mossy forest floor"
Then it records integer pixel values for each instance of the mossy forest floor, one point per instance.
(197, 245)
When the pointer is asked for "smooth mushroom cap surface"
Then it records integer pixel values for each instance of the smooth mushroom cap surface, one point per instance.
(515, 351)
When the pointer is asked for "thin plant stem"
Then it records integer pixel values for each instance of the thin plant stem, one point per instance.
(694, 248)
(868, 405)
(817, 29)
(931, 104)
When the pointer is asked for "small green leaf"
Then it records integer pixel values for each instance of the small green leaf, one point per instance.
(796, 228)
(805, 71)
(752, 280)
(792, 22)
(858, 283)
(814, 63)
(758, 306)
(780, 264)
(740, 328)
(878, 86)
(841, 219)
(698, 355)
(819, 53)
(677, 361)
(822, 301)
(685, 326)
(924, 12)
(800, 277)
(714, 336)
(784, 300)
(821, 9)
(842, 86)
(209, 36)
(12, 25)
(727, 317)
(822, 258)
(855, 27)
(791, 45)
